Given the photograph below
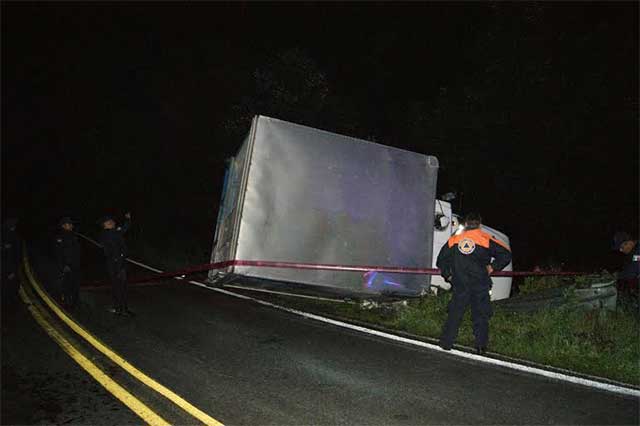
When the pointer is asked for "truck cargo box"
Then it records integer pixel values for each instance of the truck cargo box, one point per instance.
(298, 194)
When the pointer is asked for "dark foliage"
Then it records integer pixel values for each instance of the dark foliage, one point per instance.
(532, 108)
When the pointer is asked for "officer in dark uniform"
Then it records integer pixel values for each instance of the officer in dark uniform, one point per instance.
(467, 261)
(11, 255)
(628, 279)
(115, 252)
(67, 250)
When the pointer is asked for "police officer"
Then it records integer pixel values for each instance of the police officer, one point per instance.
(67, 250)
(467, 261)
(628, 279)
(11, 255)
(115, 253)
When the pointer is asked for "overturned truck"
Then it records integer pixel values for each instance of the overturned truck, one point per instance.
(297, 194)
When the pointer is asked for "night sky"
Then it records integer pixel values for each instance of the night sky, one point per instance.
(531, 108)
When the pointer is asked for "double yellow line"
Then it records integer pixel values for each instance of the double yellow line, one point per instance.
(144, 412)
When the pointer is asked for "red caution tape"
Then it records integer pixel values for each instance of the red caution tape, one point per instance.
(330, 267)
(327, 267)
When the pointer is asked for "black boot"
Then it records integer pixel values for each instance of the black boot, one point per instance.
(445, 346)
(128, 312)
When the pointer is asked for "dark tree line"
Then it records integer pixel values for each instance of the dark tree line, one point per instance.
(532, 108)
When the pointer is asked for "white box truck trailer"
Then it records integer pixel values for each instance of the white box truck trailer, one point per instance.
(298, 194)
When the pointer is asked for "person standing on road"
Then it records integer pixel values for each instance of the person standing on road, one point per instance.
(466, 261)
(115, 253)
(11, 255)
(67, 250)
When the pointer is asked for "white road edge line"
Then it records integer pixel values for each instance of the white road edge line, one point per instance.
(303, 296)
(506, 364)
(483, 359)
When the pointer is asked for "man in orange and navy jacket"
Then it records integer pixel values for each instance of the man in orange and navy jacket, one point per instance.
(467, 261)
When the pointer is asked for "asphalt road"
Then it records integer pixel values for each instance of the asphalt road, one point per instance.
(244, 363)
(42, 385)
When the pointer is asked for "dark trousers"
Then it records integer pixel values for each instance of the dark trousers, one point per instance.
(464, 294)
(70, 287)
(629, 293)
(118, 277)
